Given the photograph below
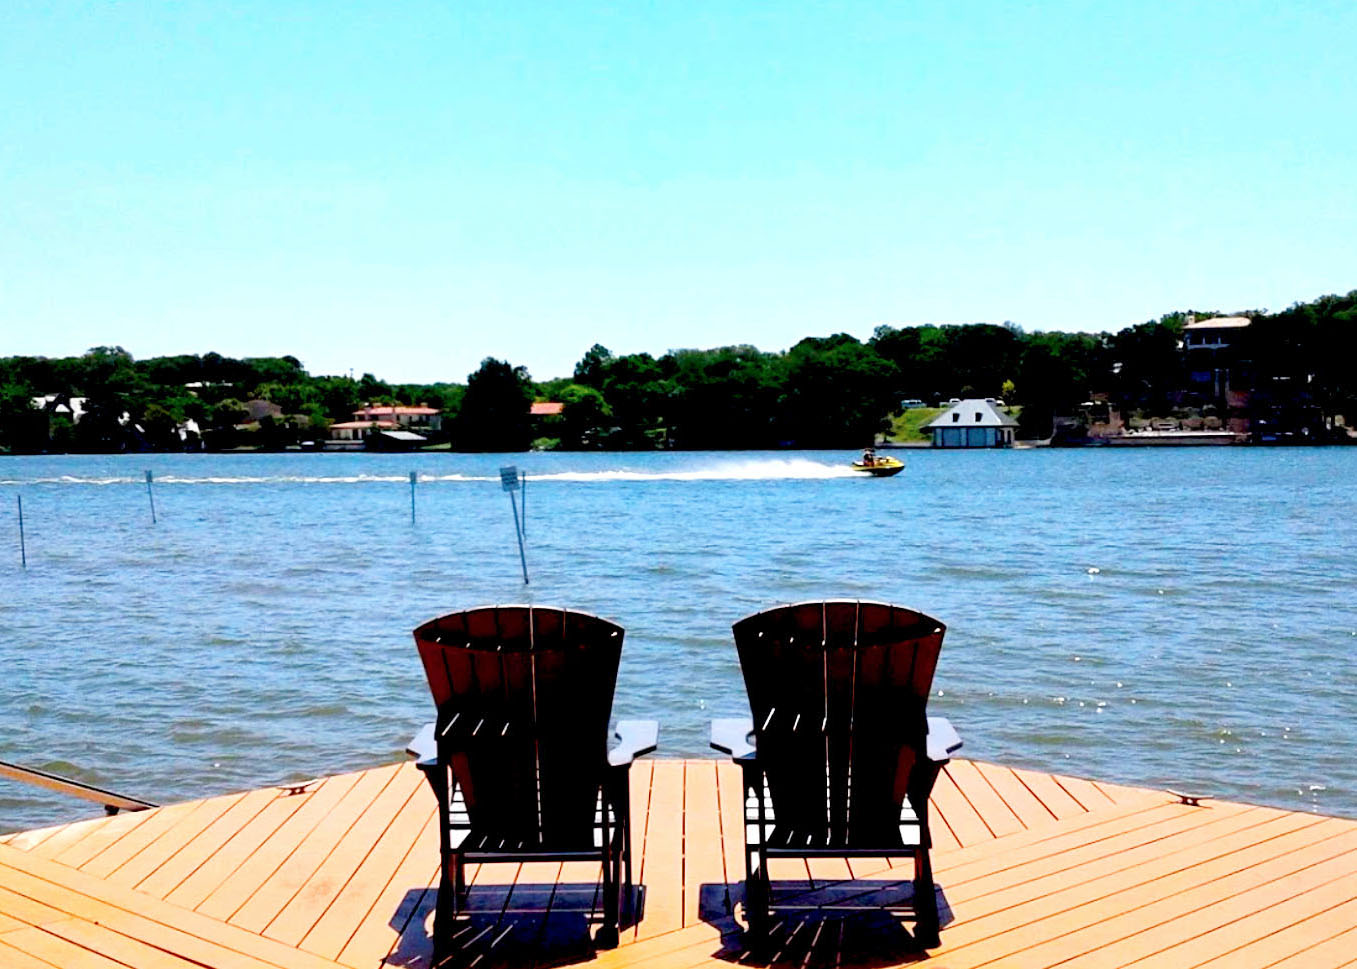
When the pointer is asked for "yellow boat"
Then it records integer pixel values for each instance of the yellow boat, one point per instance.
(881, 467)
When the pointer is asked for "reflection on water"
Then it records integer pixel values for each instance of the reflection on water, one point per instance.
(1180, 618)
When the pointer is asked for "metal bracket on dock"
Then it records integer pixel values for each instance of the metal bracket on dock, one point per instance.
(1191, 800)
(292, 790)
(113, 803)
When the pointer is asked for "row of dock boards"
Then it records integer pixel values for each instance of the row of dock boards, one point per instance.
(1036, 870)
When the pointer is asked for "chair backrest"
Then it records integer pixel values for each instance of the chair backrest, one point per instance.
(524, 694)
(838, 693)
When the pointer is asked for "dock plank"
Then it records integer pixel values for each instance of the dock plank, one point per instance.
(312, 816)
(1048, 790)
(205, 844)
(1025, 805)
(155, 854)
(210, 876)
(662, 858)
(104, 832)
(33, 840)
(169, 928)
(370, 939)
(730, 818)
(998, 816)
(137, 838)
(317, 891)
(331, 931)
(12, 958)
(56, 951)
(703, 847)
(1047, 870)
(961, 817)
(1067, 920)
(1208, 921)
(66, 837)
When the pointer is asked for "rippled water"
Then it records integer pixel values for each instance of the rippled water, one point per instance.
(1182, 618)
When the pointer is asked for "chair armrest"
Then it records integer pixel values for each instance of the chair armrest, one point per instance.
(635, 738)
(423, 747)
(734, 736)
(943, 740)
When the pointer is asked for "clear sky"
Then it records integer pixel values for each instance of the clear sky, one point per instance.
(406, 188)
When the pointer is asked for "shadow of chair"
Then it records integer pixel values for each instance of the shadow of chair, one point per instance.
(539, 924)
(854, 922)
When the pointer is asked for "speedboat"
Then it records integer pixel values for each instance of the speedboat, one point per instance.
(880, 468)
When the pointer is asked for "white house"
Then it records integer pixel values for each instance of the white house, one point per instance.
(973, 423)
(72, 407)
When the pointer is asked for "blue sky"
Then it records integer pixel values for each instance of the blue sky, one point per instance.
(407, 188)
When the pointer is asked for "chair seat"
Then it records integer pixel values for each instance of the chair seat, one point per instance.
(883, 842)
(486, 841)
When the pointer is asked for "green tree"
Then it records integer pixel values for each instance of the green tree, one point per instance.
(592, 370)
(494, 415)
(839, 392)
(585, 421)
(22, 426)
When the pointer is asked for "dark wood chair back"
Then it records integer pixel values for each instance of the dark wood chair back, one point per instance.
(838, 693)
(524, 694)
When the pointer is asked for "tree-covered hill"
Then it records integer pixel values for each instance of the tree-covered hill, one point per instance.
(833, 391)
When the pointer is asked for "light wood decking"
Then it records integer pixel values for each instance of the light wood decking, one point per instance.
(1036, 870)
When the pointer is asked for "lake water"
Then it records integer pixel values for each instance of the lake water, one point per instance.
(1177, 618)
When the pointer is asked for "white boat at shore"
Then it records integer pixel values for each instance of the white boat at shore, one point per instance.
(1174, 439)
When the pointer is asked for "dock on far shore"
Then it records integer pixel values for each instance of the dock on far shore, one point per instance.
(1034, 870)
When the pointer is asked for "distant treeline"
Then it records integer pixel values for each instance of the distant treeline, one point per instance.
(834, 391)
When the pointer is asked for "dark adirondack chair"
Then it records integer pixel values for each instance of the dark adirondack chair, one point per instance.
(519, 756)
(839, 758)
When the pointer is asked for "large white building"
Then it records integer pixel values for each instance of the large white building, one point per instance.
(973, 423)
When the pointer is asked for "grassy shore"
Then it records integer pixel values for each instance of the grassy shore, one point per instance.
(907, 426)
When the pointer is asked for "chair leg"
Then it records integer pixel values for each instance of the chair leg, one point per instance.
(756, 898)
(449, 866)
(607, 936)
(459, 879)
(926, 920)
(624, 823)
(757, 889)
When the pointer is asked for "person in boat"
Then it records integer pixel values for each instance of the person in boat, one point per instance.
(868, 458)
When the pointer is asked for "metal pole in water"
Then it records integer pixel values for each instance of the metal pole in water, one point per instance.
(523, 483)
(508, 479)
(150, 496)
(412, 497)
(23, 548)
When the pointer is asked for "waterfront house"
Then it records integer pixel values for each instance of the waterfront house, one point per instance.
(1217, 365)
(973, 423)
(354, 432)
(404, 416)
(60, 405)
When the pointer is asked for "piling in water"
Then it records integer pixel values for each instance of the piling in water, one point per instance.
(150, 497)
(412, 497)
(510, 482)
(23, 548)
(523, 486)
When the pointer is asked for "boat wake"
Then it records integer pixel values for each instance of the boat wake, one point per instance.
(791, 469)
(765, 469)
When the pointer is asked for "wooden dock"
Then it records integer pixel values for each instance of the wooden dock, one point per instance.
(1035, 869)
